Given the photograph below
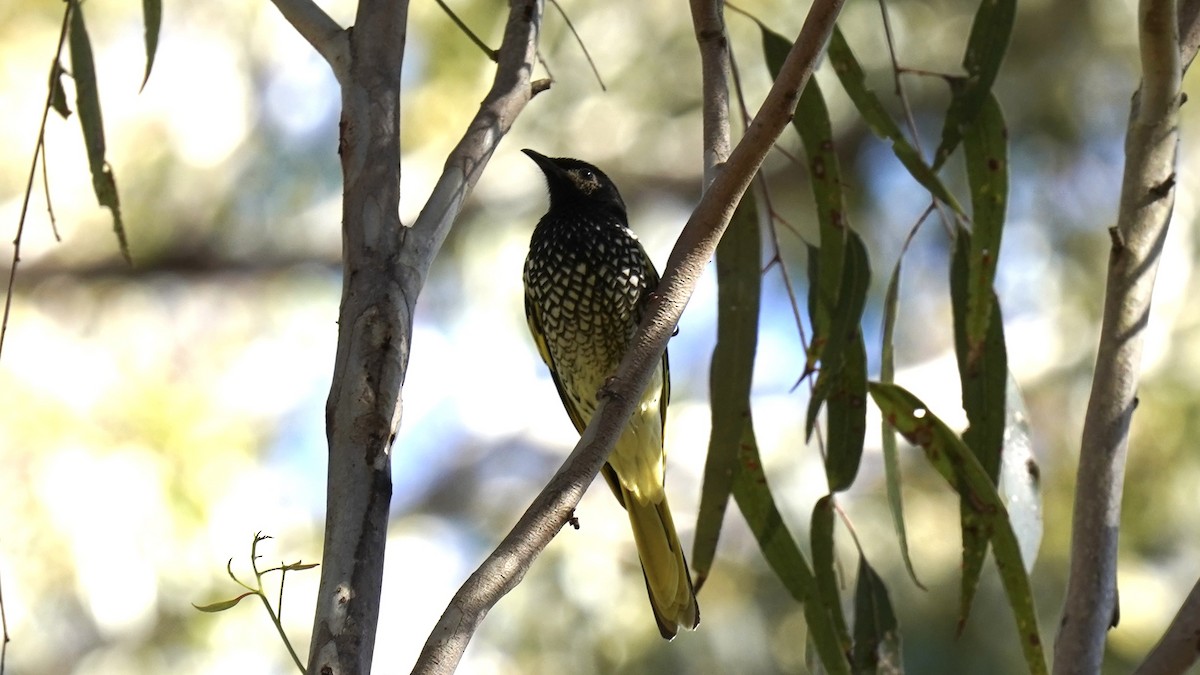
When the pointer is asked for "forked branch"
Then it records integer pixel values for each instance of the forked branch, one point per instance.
(322, 32)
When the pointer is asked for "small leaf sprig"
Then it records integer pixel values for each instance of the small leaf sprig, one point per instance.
(276, 612)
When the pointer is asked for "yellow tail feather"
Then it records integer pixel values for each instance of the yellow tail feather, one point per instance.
(667, 579)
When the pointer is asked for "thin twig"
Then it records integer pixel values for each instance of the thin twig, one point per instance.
(923, 72)
(3, 629)
(37, 152)
(46, 190)
(777, 257)
(511, 90)
(545, 65)
(491, 53)
(909, 120)
(586, 55)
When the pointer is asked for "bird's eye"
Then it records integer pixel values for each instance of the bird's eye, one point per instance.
(587, 174)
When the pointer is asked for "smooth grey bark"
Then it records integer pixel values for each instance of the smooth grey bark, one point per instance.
(385, 265)
(1147, 200)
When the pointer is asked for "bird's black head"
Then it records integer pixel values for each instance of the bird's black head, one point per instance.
(574, 183)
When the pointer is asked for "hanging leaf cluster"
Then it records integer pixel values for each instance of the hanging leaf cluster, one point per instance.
(996, 441)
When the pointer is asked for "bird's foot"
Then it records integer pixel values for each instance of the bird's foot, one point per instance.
(608, 389)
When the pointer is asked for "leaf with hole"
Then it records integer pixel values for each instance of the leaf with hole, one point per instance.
(958, 465)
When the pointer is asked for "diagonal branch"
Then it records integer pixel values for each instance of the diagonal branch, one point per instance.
(550, 510)
(511, 90)
(1179, 647)
(1189, 31)
(1147, 199)
(321, 31)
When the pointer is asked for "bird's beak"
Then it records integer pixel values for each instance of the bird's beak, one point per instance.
(544, 163)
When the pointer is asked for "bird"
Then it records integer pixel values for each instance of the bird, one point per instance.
(587, 280)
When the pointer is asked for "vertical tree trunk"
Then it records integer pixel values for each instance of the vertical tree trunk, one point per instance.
(375, 324)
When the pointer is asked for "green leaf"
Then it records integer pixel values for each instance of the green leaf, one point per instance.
(820, 311)
(983, 395)
(958, 465)
(299, 566)
(779, 548)
(87, 102)
(853, 80)
(986, 147)
(887, 374)
(852, 299)
(986, 45)
(152, 17)
(876, 631)
(982, 366)
(811, 121)
(739, 285)
(978, 326)
(222, 605)
(825, 568)
(846, 417)
(842, 382)
(58, 95)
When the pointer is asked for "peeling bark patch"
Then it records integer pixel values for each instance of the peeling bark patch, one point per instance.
(337, 620)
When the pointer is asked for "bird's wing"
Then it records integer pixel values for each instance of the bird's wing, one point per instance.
(652, 280)
(535, 328)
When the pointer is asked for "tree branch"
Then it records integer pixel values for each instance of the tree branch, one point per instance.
(511, 91)
(385, 269)
(325, 35)
(1189, 31)
(374, 331)
(1147, 199)
(1179, 647)
(709, 23)
(505, 567)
